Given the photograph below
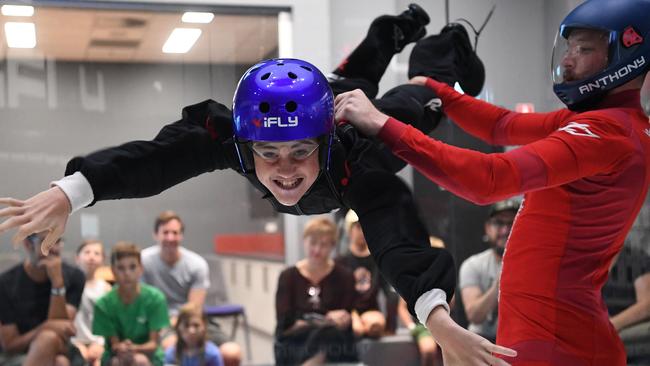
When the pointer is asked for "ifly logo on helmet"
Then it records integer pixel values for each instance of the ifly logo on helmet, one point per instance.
(292, 121)
(609, 79)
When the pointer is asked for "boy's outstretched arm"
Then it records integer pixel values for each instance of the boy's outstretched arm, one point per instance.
(191, 146)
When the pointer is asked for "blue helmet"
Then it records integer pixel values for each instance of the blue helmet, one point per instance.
(282, 100)
(626, 26)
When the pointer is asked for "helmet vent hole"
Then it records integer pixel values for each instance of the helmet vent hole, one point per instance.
(266, 76)
(292, 75)
(306, 68)
(280, 64)
(265, 107)
(291, 106)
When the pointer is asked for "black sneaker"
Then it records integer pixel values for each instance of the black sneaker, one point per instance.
(470, 69)
(418, 14)
(402, 29)
(414, 29)
(448, 57)
(387, 35)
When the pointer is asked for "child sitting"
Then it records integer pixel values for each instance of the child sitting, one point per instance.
(90, 256)
(192, 347)
(131, 314)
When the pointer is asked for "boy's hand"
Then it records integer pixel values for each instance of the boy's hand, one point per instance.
(341, 318)
(47, 211)
(123, 350)
(94, 352)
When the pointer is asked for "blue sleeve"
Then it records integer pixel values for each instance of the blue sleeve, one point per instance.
(213, 355)
(170, 356)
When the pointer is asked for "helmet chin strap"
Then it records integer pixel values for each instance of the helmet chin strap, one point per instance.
(245, 157)
(587, 104)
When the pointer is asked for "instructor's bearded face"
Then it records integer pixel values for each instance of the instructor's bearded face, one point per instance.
(586, 54)
(287, 169)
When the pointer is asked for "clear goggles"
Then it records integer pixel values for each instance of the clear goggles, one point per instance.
(271, 152)
(579, 46)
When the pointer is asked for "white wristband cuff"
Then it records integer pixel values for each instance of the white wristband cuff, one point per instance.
(429, 301)
(78, 190)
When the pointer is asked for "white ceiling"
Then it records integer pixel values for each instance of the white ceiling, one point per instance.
(138, 36)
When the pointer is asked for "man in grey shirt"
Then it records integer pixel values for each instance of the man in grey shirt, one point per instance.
(479, 274)
(182, 275)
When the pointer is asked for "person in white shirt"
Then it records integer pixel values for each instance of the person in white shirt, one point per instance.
(90, 256)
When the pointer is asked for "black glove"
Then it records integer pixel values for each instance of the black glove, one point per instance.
(216, 118)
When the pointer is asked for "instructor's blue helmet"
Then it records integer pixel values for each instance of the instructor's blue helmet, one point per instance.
(626, 23)
(283, 100)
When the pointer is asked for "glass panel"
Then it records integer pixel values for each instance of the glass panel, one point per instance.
(98, 78)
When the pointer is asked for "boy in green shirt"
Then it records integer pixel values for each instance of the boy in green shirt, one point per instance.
(131, 314)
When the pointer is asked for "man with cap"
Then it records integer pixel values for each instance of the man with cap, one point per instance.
(479, 275)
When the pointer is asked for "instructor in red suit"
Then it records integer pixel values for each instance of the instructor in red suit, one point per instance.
(584, 171)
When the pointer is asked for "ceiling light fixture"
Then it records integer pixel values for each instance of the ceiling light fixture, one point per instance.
(20, 35)
(197, 17)
(181, 40)
(17, 10)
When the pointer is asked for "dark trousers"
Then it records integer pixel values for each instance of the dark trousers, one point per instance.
(338, 345)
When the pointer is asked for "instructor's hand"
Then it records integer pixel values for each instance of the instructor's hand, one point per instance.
(462, 347)
(419, 80)
(354, 107)
(47, 211)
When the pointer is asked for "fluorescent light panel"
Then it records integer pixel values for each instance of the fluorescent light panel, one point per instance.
(17, 10)
(285, 35)
(20, 35)
(181, 40)
(197, 17)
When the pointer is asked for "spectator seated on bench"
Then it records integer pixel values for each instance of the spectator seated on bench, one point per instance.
(131, 315)
(627, 295)
(39, 300)
(90, 256)
(192, 346)
(184, 277)
(313, 303)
